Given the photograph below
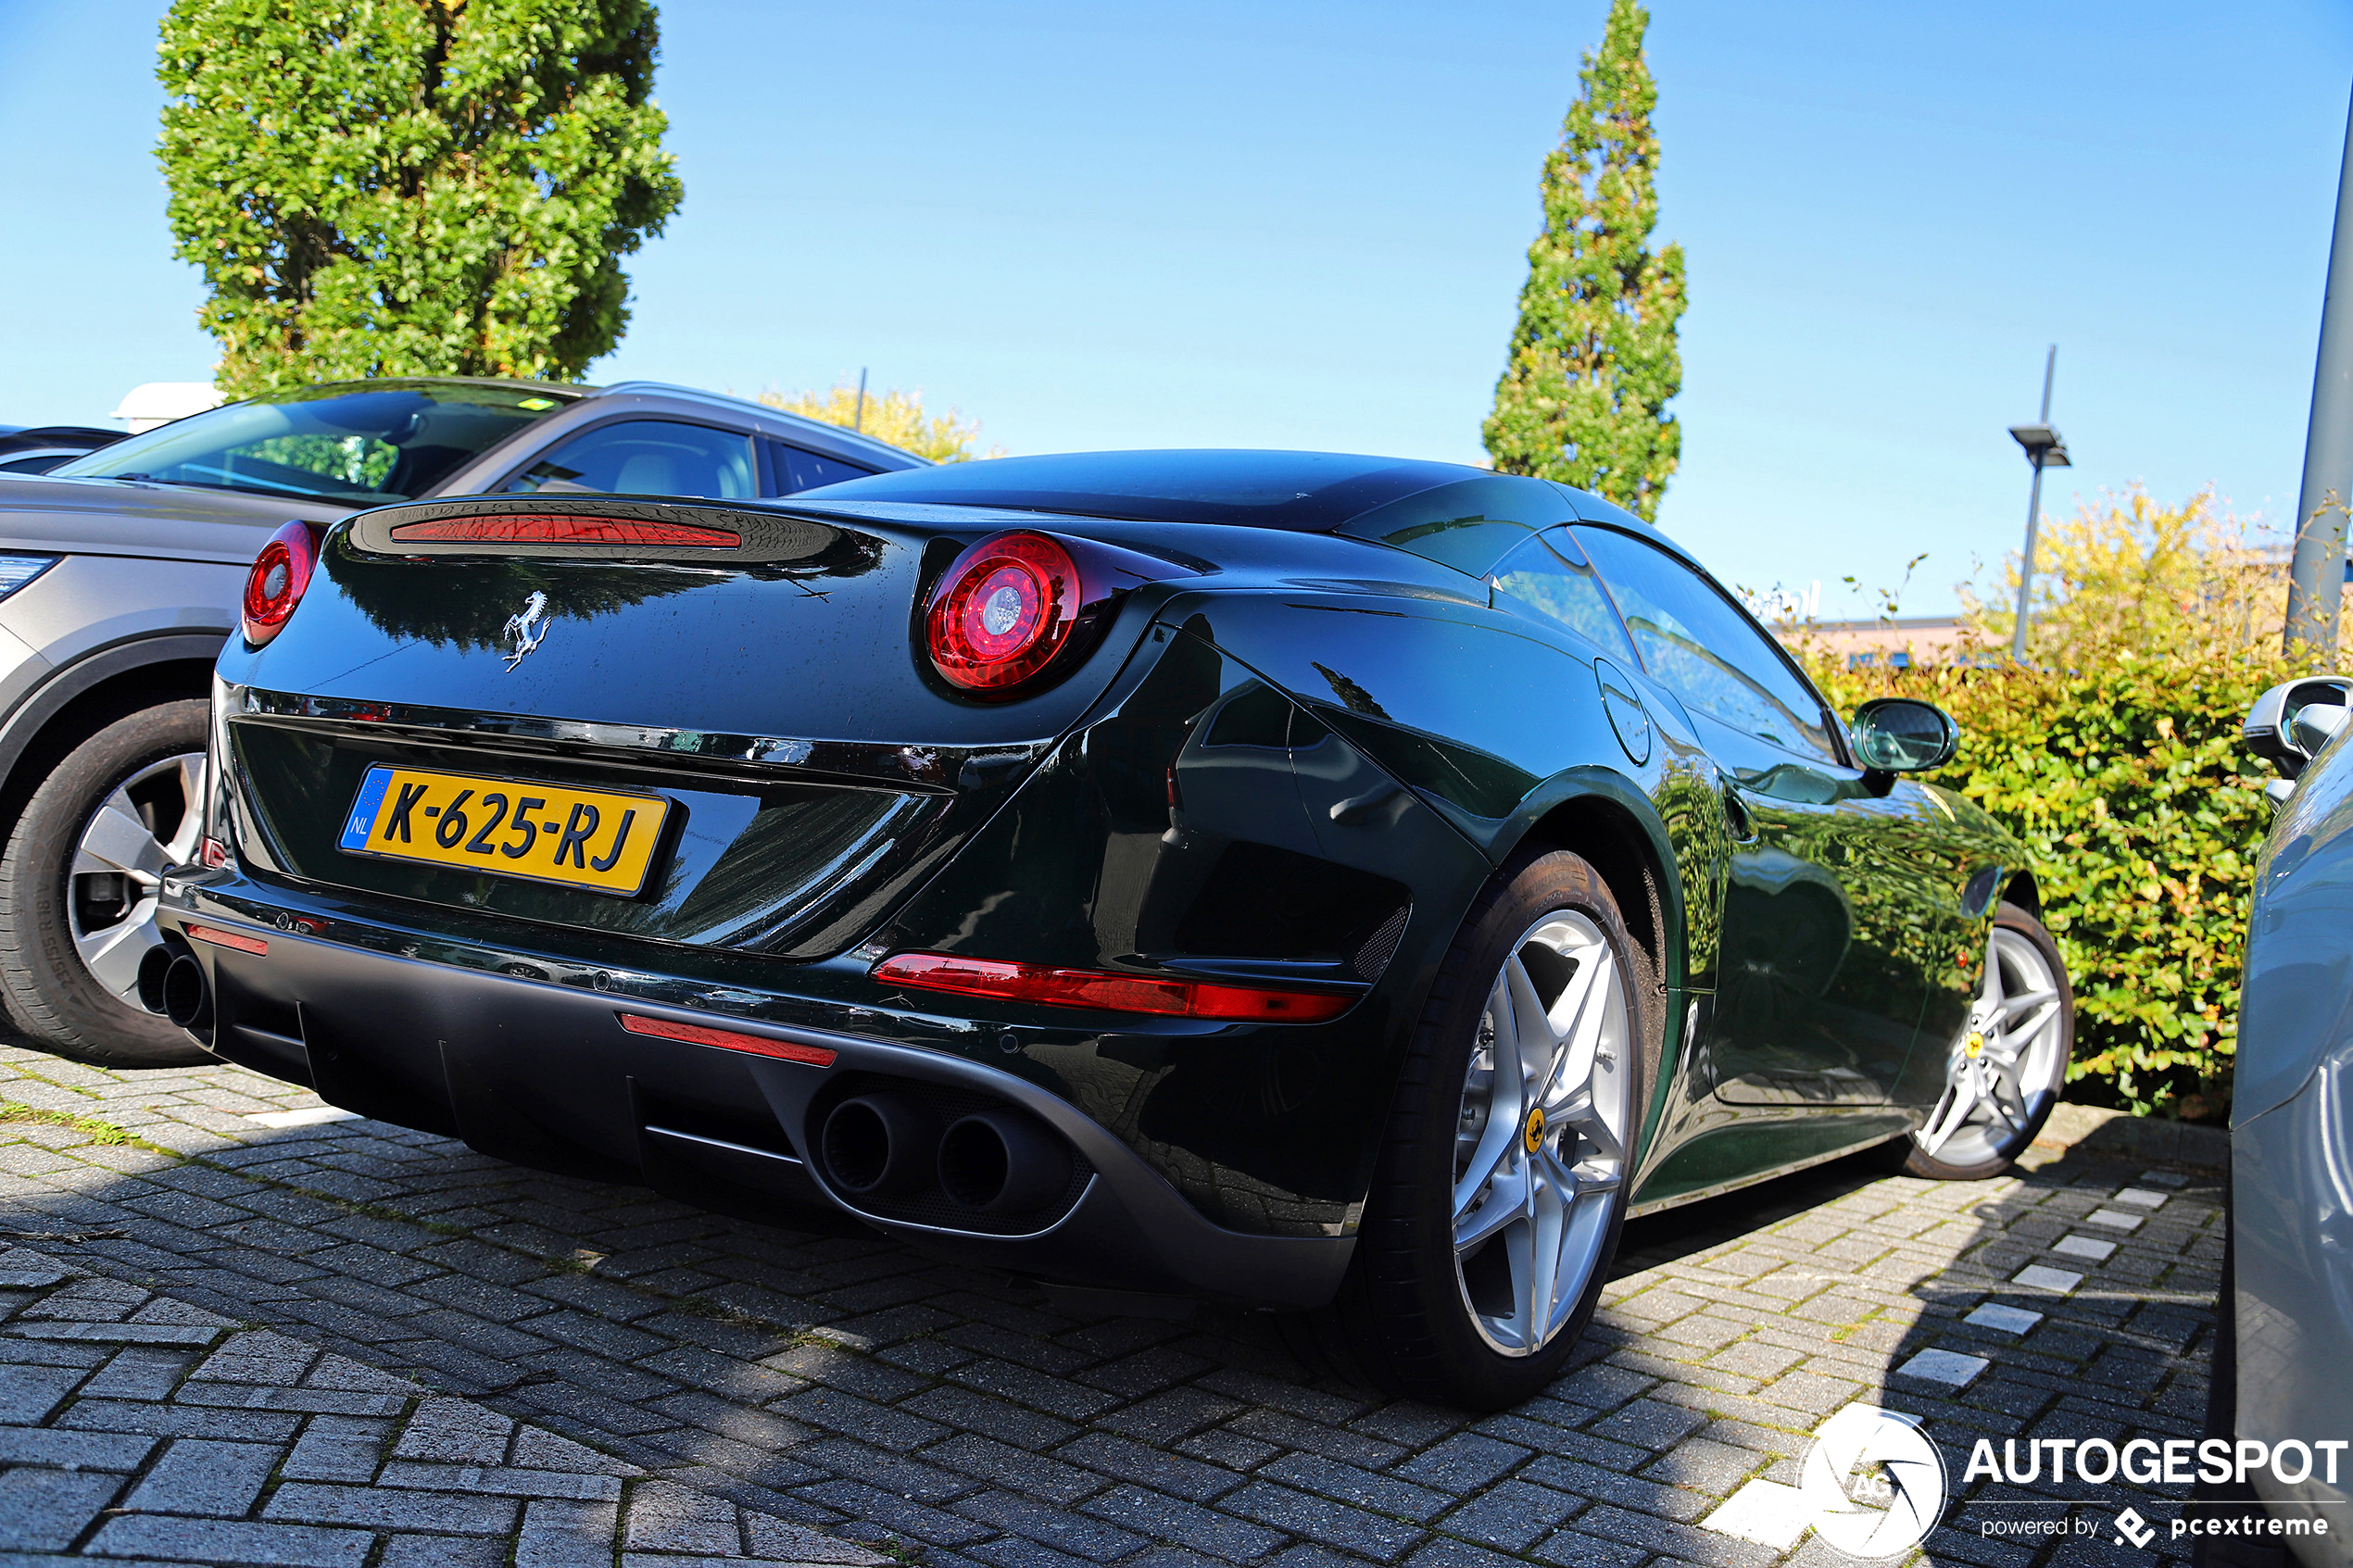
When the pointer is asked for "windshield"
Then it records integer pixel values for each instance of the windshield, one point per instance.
(361, 444)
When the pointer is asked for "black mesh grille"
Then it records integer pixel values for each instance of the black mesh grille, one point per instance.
(1381, 947)
(928, 1205)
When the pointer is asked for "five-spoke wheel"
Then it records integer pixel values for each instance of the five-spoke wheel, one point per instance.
(1540, 1153)
(2005, 1068)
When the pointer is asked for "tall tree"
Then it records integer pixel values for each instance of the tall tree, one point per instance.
(1593, 360)
(412, 187)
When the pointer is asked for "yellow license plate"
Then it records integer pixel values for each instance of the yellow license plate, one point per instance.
(589, 839)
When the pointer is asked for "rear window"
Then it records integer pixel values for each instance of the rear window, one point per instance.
(360, 444)
(1304, 492)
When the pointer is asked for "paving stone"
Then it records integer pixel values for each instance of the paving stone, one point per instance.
(568, 1535)
(455, 1432)
(445, 1552)
(385, 1507)
(336, 1448)
(891, 1471)
(1064, 1531)
(1146, 1466)
(1462, 1463)
(232, 1542)
(28, 1393)
(180, 1420)
(45, 1510)
(1513, 1515)
(1183, 1523)
(1019, 1469)
(202, 1476)
(1345, 1482)
(63, 1450)
(1323, 1520)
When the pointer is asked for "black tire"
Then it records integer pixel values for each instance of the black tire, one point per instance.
(1401, 1322)
(1905, 1154)
(51, 993)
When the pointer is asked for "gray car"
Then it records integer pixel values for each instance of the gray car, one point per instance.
(120, 577)
(2284, 1360)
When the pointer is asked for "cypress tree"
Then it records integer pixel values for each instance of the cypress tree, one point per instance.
(1593, 360)
(412, 187)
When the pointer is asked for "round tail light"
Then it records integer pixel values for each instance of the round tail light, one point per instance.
(1001, 612)
(275, 584)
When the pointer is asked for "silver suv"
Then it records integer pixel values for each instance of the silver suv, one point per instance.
(121, 574)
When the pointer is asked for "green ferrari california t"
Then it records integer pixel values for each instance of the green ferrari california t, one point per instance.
(1334, 884)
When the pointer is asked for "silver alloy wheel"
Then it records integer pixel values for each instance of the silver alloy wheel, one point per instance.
(2008, 1061)
(151, 820)
(1540, 1152)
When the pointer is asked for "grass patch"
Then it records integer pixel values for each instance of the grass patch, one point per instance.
(88, 1126)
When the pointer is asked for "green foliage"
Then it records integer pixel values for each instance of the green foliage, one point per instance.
(1593, 360)
(412, 187)
(89, 1127)
(2116, 756)
(896, 417)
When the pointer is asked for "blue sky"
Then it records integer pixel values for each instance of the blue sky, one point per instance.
(1305, 225)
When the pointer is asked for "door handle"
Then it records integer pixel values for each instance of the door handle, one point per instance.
(1360, 810)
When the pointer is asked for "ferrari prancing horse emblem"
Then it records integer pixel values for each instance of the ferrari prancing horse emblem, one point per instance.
(528, 627)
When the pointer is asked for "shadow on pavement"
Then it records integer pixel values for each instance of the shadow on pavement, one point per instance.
(843, 1381)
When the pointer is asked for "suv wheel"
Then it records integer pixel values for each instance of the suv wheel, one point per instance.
(78, 882)
(1501, 1188)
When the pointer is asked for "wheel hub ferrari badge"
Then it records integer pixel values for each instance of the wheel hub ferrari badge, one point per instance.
(528, 627)
(1974, 1045)
(1533, 1135)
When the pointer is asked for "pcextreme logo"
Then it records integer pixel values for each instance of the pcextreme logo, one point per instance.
(1872, 1483)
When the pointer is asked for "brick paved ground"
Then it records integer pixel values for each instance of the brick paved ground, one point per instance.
(844, 1383)
(141, 1426)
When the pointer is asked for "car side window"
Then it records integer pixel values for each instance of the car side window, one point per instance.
(1698, 644)
(797, 470)
(646, 458)
(1550, 575)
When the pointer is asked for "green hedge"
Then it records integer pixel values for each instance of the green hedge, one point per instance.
(2143, 816)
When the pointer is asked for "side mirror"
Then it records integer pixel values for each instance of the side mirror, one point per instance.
(2288, 724)
(1897, 735)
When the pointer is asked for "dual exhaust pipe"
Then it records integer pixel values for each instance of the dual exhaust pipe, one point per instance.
(998, 1162)
(172, 982)
(880, 1145)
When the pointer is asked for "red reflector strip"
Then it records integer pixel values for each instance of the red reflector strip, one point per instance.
(727, 1039)
(238, 940)
(1101, 988)
(558, 528)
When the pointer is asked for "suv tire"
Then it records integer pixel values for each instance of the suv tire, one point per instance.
(53, 991)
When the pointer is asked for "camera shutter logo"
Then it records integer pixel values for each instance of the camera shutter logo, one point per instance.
(1873, 1484)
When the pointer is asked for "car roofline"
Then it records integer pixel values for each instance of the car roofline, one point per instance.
(857, 440)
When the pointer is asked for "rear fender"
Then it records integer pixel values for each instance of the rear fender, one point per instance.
(1207, 827)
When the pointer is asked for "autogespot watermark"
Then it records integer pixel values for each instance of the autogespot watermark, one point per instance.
(2176, 1461)
(1873, 1486)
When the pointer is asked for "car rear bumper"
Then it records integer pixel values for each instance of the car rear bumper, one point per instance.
(544, 1074)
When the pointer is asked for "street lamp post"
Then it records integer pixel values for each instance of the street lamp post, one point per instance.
(2044, 450)
(2316, 574)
